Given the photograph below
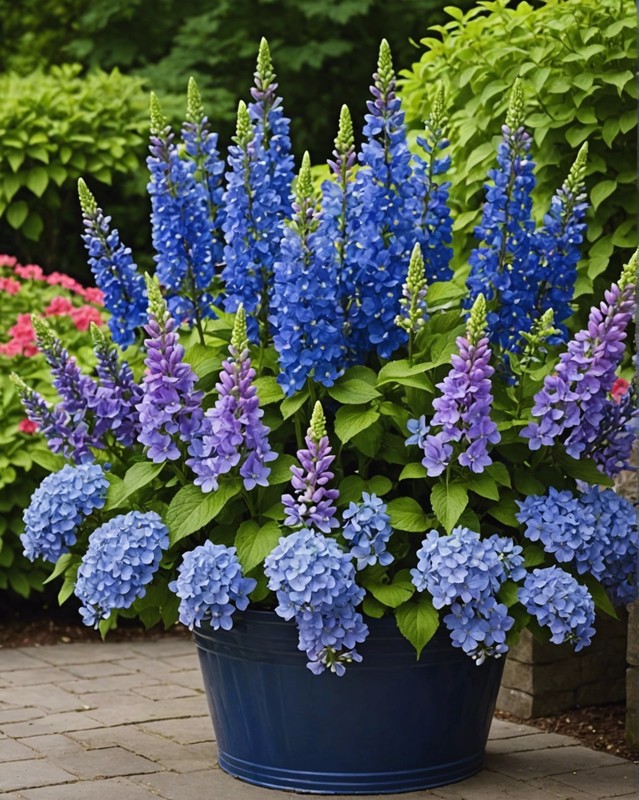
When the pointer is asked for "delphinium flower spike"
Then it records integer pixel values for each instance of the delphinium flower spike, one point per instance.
(384, 235)
(429, 205)
(114, 270)
(306, 317)
(505, 266)
(181, 227)
(413, 301)
(169, 410)
(558, 243)
(115, 400)
(462, 412)
(232, 432)
(313, 505)
(571, 405)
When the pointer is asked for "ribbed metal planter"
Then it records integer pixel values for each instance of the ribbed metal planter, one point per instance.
(391, 724)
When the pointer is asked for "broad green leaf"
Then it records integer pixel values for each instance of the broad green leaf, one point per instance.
(392, 594)
(373, 608)
(268, 390)
(602, 601)
(67, 589)
(508, 593)
(448, 503)
(17, 213)
(505, 512)
(584, 469)
(601, 191)
(281, 469)
(191, 509)
(414, 470)
(292, 404)
(483, 485)
(137, 476)
(526, 483)
(534, 556)
(443, 292)
(37, 180)
(352, 391)
(407, 515)
(499, 472)
(61, 565)
(48, 460)
(351, 488)
(417, 620)
(351, 420)
(402, 372)
(254, 543)
(369, 441)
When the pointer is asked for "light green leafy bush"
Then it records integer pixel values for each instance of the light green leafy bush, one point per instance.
(576, 61)
(54, 128)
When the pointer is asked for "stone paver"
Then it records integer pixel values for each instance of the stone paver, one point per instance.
(130, 721)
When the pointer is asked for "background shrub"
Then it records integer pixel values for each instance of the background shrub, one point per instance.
(576, 59)
(24, 457)
(54, 128)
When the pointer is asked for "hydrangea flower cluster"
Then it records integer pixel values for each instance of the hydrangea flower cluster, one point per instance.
(314, 581)
(211, 586)
(232, 431)
(170, 407)
(123, 556)
(306, 317)
(462, 413)
(181, 225)
(465, 572)
(572, 403)
(560, 603)
(114, 271)
(367, 530)
(313, 505)
(58, 507)
(505, 266)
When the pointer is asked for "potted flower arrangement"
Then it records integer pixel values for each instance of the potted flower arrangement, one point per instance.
(342, 454)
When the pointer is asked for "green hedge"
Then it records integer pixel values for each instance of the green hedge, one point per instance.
(576, 59)
(55, 128)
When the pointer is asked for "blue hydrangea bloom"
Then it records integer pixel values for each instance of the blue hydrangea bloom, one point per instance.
(314, 581)
(115, 272)
(480, 629)
(210, 586)
(367, 530)
(561, 604)
(57, 508)
(122, 558)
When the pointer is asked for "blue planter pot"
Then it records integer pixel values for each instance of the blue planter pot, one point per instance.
(390, 724)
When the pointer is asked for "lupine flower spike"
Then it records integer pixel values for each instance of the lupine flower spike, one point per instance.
(232, 432)
(54, 423)
(306, 317)
(413, 302)
(170, 410)
(313, 505)
(574, 400)
(462, 412)
(114, 271)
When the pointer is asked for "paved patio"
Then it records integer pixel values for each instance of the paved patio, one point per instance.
(129, 721)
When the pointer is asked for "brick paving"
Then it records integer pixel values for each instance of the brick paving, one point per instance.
(129, 721)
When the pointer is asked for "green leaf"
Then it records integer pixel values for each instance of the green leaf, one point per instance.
(292, 404)
(584, 469)
(417, 620)
(373, 608)
(67, 588)
(448, 503)
(401, 372)
(534, 556)
(499, 472)
(505, 512)
(483, 485)
(48, 460)
(414, 470)
(601, 191)
(268, 390)
(136, 477)
(407, 515)
(352, 391)
(508, 593)
(254, 543)
(191, 510)
(602, 601)
(351, 420)
(17, 213)
(37, 181)
(392, 594)
(443, 292)
(61, 565)
(281, 470)
(526, 483)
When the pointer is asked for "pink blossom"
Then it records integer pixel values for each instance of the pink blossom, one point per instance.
(59, 279)
(29, 272)
(9, 285)
(22, 340)
(59, 307)
(7, 261)
(93, 295)
(26, 426)
(84, 316)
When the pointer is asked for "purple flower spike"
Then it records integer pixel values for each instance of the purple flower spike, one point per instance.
(170, 409)
(232, 431)
(314, 505)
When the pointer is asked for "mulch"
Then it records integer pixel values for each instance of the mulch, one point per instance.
(34, 624)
